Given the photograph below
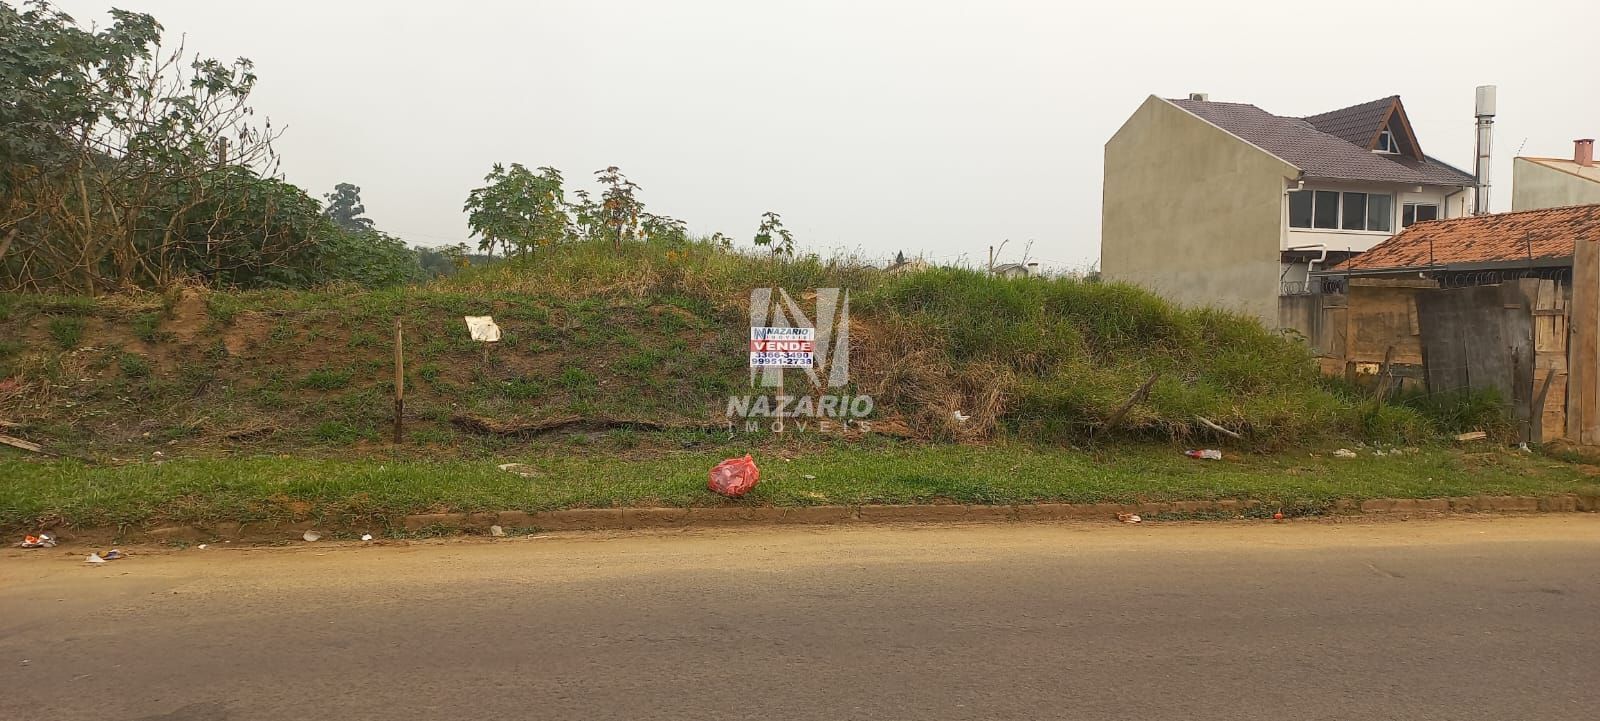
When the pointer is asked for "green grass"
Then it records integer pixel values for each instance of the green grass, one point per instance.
(67, 330)
(134, 365)
(327, 379)
(263, 487)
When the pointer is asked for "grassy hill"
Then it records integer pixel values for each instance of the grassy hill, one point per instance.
(640, 349)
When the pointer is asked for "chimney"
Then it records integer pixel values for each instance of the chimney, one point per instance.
(1202, 97)
(1583, 152)
(1484, 110)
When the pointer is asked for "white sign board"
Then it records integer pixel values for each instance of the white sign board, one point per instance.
(783, 347)
(482, 328)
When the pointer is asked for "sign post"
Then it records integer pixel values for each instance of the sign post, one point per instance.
(399, 383)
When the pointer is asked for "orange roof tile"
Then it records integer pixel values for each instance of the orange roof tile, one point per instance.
(1546, 233)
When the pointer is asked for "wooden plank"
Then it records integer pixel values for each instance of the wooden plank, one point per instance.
(24, 445)
(1583, 394)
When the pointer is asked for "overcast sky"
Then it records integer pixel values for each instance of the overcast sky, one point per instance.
(933, 127)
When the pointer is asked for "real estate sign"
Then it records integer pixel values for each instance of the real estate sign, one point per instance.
(782, 347)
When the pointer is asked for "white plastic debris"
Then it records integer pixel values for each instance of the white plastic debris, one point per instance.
(1344, 453)
(43, 540)
(809, 477)
(312, 536)
(1129, 518)
(1209, 454)
(497, 531)
(94, 558)
(961, 417)
(482, 328)
(366, 536)
(202, 546)
(521, 469)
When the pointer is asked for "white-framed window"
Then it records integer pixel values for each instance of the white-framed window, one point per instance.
(1336, 210)
(1386, 144)
(1413, 213)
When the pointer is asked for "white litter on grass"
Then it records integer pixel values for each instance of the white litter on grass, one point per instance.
(202, 546)
(497, 531)
(366, 536)
(312, 536)
(961, 417)
(482, 328)
(1344, 453)
(809, 477)
(521, 469)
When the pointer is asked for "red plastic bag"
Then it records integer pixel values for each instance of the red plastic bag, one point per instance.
(734, 477)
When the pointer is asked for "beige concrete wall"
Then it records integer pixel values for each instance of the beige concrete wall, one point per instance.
(1192, 212)
(1536, 186)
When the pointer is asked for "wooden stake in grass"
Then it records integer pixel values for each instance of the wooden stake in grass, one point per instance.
(399, 382)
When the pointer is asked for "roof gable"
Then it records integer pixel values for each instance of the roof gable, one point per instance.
(1529, 235)
(1358, 124)
(1362, 124)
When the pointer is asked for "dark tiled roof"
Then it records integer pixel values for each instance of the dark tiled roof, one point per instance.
(1544, 234)
(1356, 124)
(1319, 154)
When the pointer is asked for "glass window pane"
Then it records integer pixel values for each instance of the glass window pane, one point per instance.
(1355, 211)
(1327, 210)
(1380, 212)
(1427, 212)
(1300, 209)
(1408, 215)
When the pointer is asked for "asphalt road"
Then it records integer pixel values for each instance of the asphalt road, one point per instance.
(1455, 619)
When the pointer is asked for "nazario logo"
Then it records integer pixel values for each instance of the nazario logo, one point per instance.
(784, 339)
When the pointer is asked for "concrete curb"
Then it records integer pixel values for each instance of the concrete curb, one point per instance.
(622, 519)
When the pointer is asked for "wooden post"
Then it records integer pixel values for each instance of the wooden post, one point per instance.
(1583, 391)
(399, 382)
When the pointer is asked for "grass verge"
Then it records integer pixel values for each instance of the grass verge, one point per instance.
(202, 491)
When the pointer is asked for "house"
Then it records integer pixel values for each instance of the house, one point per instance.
(1015, 270)
(1556, 182)
(1226, 204)
(902, 264)
(1481, 249)
(1474, 302)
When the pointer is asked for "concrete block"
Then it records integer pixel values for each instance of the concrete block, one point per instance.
(655, 517)
(419, 521)
(515, 519)
(1564, 503)
(819, 514)
(991, 513)
(581, 519)
(912, 513)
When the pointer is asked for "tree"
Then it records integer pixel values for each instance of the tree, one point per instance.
(663, 229)
(123, 165)
(773, 236)
(620, 209)
(346, 210)
(518, 209)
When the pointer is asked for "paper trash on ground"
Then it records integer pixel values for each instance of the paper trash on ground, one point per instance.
(482, 328)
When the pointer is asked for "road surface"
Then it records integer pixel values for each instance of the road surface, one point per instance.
(1493, 618)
